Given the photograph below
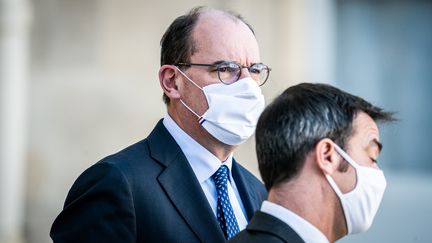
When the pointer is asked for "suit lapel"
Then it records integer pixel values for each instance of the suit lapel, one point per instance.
(247, 195)
(181, 186)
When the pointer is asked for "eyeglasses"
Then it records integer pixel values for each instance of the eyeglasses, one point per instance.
(230, 72)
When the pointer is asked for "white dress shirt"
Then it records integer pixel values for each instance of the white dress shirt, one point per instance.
(204, 164)
(308, 232)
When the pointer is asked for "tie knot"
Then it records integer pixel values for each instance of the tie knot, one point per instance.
(221, 176)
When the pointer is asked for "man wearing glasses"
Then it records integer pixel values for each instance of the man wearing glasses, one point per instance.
(181, 183)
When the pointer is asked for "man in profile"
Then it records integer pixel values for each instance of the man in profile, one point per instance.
(317, 149)
(181, 183)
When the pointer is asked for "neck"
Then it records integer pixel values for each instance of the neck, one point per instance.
(191, 126)
(308, 197)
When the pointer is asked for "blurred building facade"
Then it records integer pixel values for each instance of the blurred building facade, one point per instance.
(84, 85)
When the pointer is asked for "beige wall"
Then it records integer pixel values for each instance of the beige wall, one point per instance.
(93, 85)
(87, 87)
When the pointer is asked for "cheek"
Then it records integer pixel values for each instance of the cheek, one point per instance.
(196, 95)
(195, 98)
(201, 101)
(212, 77)
(346, 180)
(351, 179)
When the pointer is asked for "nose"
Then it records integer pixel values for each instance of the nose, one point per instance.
(244, 73)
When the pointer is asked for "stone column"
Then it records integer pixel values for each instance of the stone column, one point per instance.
(14, 55)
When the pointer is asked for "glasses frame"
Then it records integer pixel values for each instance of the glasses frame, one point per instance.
(217, 65)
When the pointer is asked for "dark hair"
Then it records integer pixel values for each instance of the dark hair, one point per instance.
(291, 126)
(177, 44)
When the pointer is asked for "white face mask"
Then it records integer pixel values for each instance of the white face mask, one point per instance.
(233, 109)
(361, 204)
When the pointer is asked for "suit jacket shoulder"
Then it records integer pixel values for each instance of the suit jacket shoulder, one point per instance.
(146, 193)
(267, 229)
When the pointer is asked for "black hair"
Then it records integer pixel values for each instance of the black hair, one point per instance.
(291, 126)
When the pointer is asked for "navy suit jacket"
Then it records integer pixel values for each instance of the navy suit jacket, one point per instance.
(265, 228)
(147, 193)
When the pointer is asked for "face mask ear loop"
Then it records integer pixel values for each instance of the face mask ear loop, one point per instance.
(350, 161)
(334, 185)
(200, 118)
(341, 198)
(190, 80)
(346, 156)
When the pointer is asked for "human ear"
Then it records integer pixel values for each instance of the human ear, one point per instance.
(167, 81)
(326, 158)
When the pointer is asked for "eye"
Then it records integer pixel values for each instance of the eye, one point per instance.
(257, 68)
(254, 70)
(228, 67)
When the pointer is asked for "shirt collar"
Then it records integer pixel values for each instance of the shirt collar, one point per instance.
(203, 162)
(308, 232)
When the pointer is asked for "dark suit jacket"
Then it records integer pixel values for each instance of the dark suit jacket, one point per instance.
(146, 193)
(266, 228)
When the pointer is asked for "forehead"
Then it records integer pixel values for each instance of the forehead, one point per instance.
(218, 36)
(365, 130)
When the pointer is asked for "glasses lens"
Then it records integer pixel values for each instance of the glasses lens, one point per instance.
(259, 72)
(228, 72)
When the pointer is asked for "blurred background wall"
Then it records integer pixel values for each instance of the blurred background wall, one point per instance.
(78, 81)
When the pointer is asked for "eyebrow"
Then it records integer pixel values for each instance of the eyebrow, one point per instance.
(220, 61)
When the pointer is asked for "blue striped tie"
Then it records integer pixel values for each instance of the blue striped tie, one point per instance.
(225, 212)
